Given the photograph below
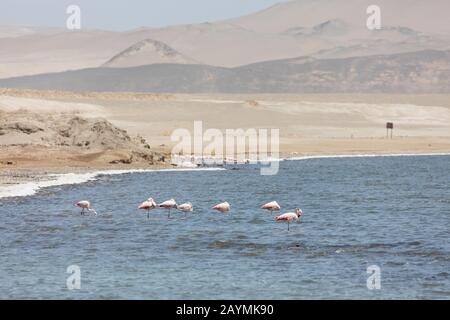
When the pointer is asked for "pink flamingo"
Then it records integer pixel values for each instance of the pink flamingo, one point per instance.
(148, 205)
(169, 204)
(186, 207)
(271, 206)
(85, 205)
(290, 216)
(222, 207)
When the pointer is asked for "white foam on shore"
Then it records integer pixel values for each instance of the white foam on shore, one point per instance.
(52, 180)
(31, 188)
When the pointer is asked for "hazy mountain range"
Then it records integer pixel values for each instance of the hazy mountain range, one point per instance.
(417, 72)
(297, 46)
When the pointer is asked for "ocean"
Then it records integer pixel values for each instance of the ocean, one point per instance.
(358, 212)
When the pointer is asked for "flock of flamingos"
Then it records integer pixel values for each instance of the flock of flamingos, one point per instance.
(223, 207)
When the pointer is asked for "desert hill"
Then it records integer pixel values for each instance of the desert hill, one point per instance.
(317, 28)
(146, 52)
(417, 72)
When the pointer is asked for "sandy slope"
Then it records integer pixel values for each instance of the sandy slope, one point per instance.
(426, 16)
(321, 28)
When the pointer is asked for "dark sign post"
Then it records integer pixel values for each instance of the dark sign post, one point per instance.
(389, 126)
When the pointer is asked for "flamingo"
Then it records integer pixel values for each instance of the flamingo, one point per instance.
(290, 216)
(148, 205)
(169, 204)
(222, 207)
(186, 207)
(85, 205)
(271, 206)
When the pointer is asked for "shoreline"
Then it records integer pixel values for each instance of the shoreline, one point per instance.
(23, 182)
(368, 155)
(48, 133)
(35, 181)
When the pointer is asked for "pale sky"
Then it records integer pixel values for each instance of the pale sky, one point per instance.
(126, 14)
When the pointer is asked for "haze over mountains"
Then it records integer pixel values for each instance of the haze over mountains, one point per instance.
(416, 72)
(297, 46)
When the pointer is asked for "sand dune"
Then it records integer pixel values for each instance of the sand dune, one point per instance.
(430, 17)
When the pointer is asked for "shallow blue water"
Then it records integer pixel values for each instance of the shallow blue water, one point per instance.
(393, 212)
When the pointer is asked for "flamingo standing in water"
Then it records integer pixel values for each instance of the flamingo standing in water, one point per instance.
(290, 216)
(186, 207)
(222, 207)
(271, 206)
(85, 205)
(169, 204)
(148, 205)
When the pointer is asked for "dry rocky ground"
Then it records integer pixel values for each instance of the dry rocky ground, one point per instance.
(69, 140)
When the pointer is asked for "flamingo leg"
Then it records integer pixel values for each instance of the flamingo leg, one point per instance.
(288, 225)
(148, 214)
(82, 212)
(168, 216)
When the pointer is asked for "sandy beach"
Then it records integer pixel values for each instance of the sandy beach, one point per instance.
(130, 128)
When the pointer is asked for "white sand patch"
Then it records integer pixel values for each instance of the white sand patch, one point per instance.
(215, 101)
(407, 114)
(10, 104)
